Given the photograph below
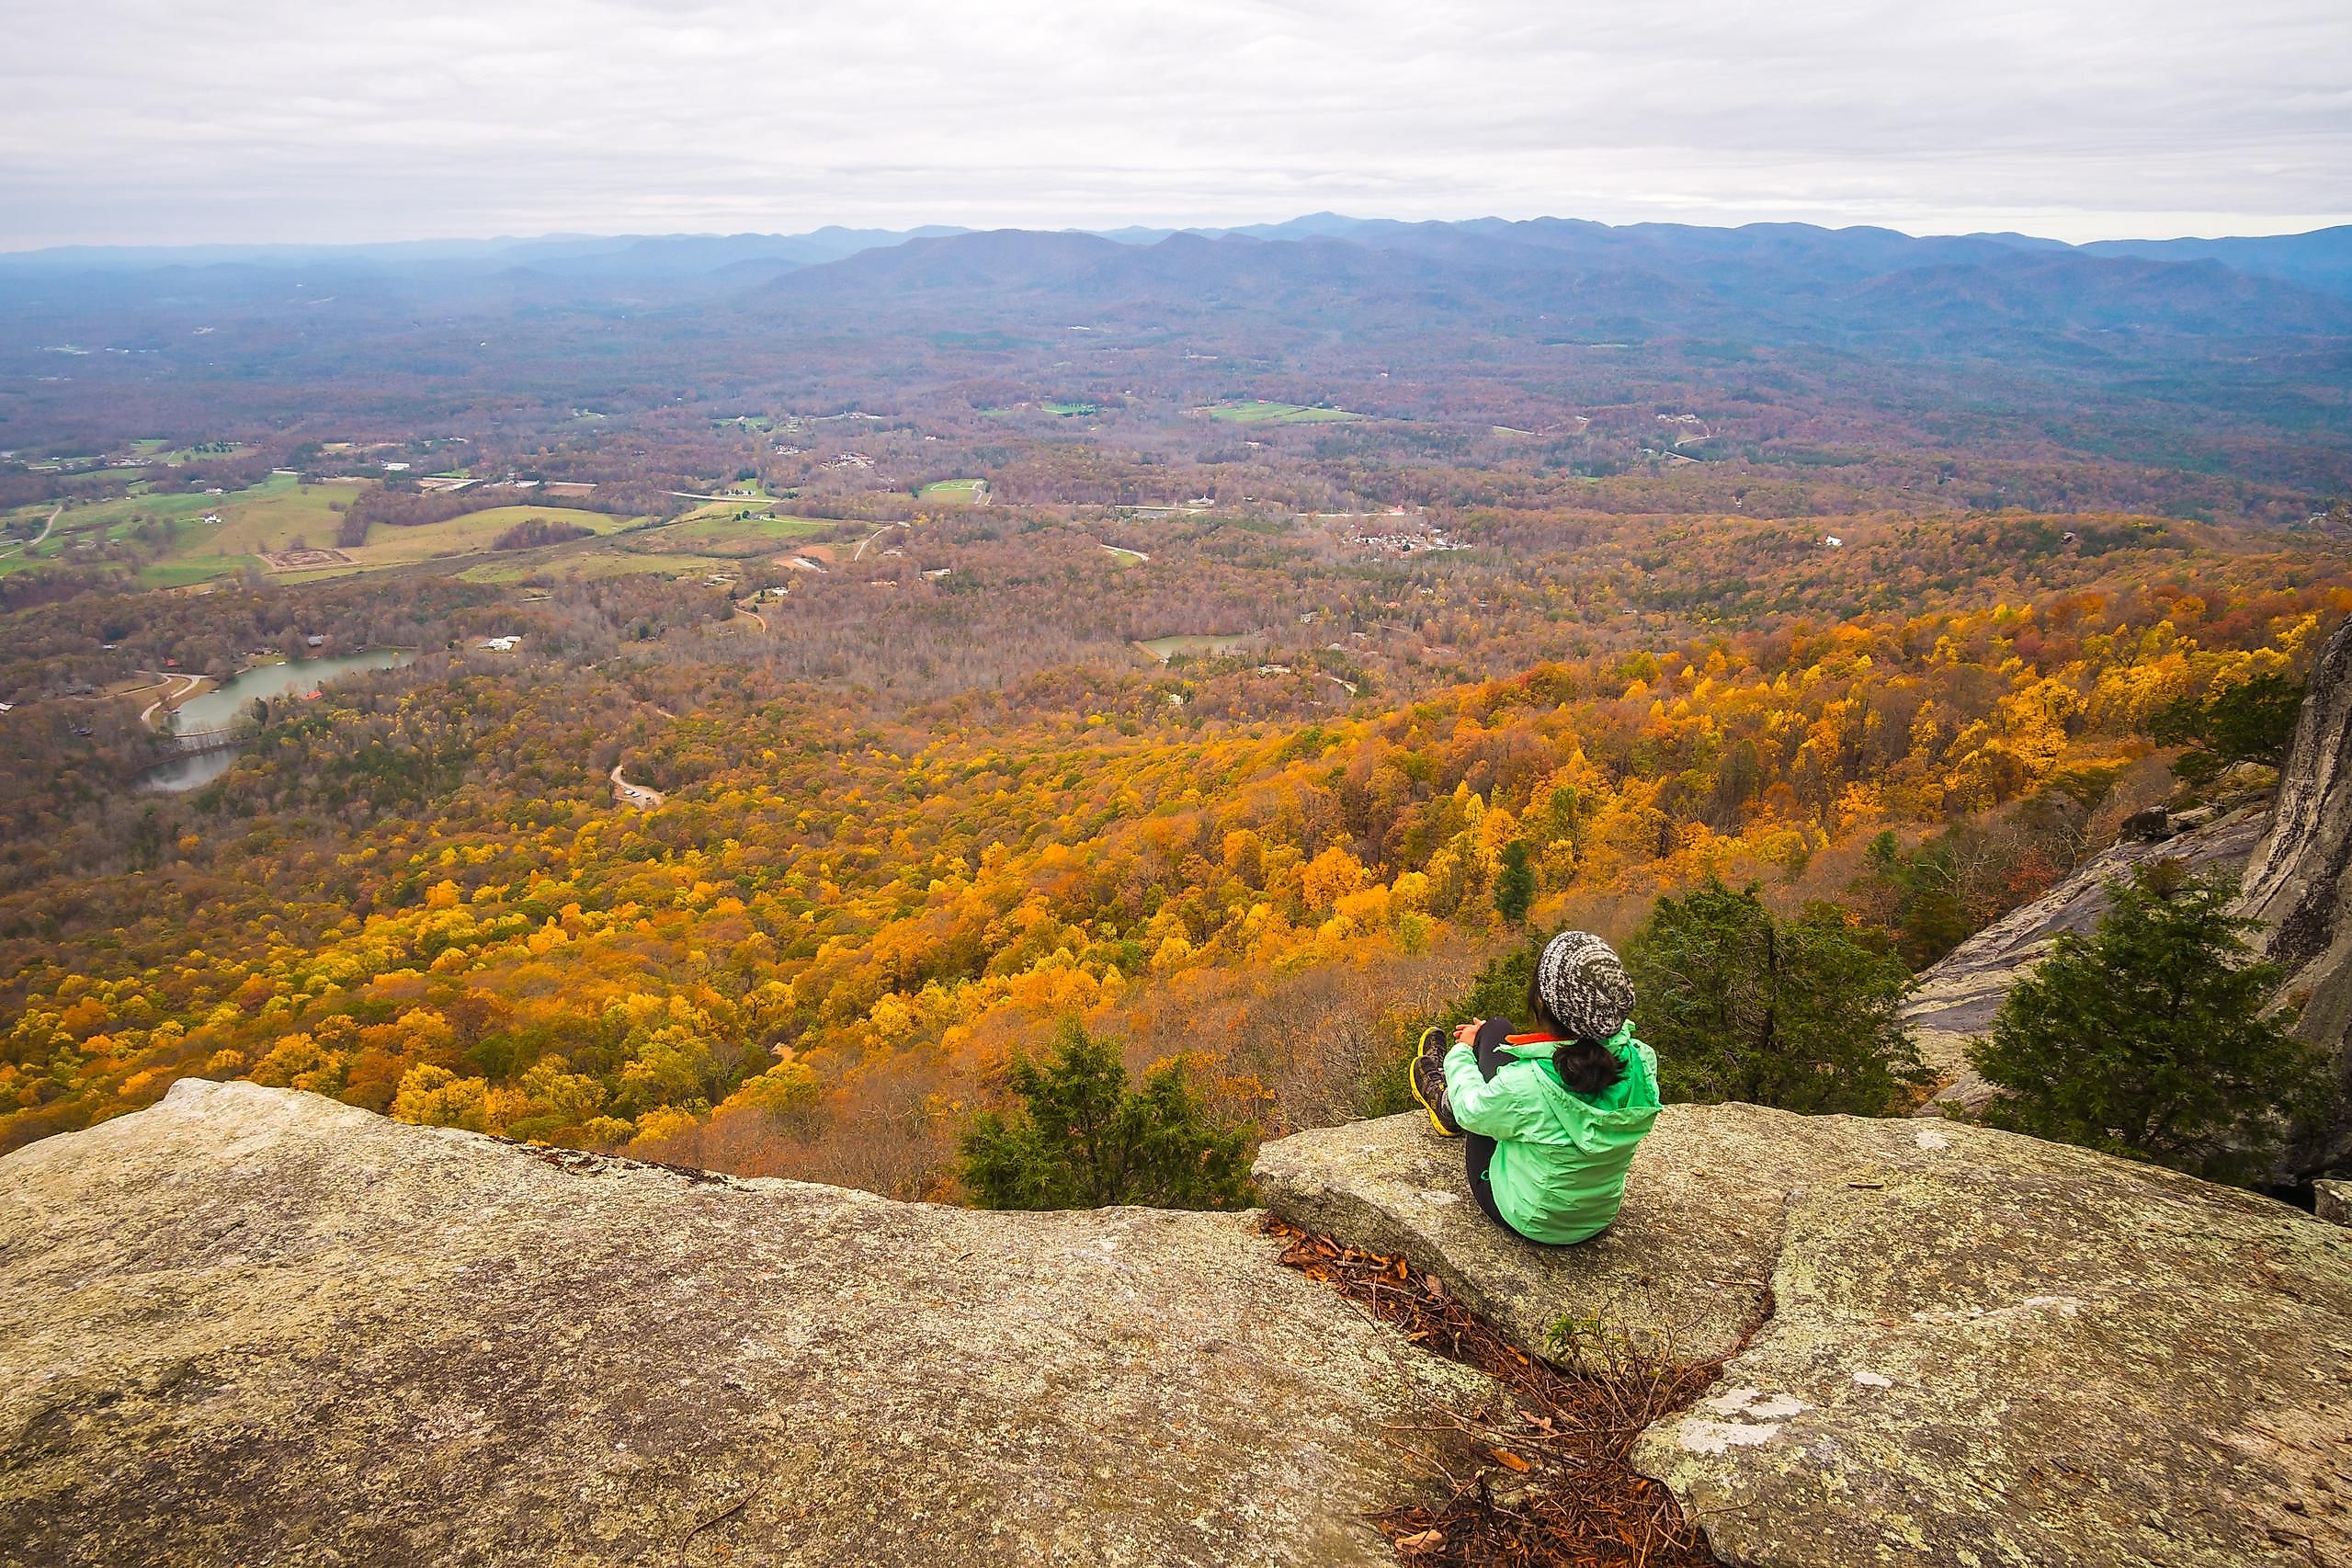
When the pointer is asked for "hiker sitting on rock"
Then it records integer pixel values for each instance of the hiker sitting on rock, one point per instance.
(1551, 1117)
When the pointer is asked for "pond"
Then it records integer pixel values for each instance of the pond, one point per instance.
(298, 678)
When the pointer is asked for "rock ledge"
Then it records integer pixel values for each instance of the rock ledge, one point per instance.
(1967, 1347)
(252, 1325)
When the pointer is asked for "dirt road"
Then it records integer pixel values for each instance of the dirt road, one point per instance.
(637, 795)
(193, 682)
(871, 538)
(29, 546)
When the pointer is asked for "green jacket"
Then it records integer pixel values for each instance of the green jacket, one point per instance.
(1560, 1159)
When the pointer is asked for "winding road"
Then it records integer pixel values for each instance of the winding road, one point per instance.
(193, 682)
(28, 546)
(872, 537)
(636, 795)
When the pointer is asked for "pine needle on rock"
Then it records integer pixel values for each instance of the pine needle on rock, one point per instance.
(1543, 1479)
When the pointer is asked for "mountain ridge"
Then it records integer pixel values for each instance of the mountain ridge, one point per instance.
(2319, 258)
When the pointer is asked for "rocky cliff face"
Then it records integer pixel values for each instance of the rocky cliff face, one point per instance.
(1958, 994)
(2293, 853)
(2297, 885)
(254, 1326)
(249, 1326)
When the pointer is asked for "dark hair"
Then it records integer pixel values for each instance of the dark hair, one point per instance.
(1587, 1067)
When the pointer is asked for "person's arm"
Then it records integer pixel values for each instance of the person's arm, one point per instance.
(1499, 1109)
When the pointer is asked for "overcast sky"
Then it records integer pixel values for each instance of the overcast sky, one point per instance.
(140, 121)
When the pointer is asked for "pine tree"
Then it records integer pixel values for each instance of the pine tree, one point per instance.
(1804, 1014)
(2252, 722)
(1514, 883)
(2149, 1038)
(1086, 1137)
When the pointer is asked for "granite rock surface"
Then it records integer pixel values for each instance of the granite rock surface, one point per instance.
(1941, 1344)
(250, 1325)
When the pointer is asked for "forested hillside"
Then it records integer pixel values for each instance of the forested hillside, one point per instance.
(841, 677)
(863, 891)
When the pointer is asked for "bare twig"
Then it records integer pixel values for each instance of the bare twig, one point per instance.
(1548, 1482)
(719, 1518)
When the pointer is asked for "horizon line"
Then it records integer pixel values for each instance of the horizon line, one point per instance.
(943, 231)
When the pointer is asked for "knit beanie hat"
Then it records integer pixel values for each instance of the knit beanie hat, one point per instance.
(1581, 983)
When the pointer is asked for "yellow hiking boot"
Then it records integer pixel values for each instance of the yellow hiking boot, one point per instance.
(1426, 1074)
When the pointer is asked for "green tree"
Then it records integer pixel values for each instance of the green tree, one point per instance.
(1086, 1137)
(1803, 1014)
(2252, 722)
(1515, 882)
(1927, 888)
(2148, 1040)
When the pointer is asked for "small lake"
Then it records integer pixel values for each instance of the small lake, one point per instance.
(300, 678)
(1166, 648)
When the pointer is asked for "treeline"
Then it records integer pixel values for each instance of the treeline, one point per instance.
(417, 894)
(533, 532)
(402, 505)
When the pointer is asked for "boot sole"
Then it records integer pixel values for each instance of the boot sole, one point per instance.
(1412, 1082)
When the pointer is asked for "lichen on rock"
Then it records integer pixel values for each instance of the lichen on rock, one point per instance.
(2299, 884)
(1967, 1347)
(254, 1325)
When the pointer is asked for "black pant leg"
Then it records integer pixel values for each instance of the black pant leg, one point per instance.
(1477, 1153)
(1478, 1150)
(1488, 1047)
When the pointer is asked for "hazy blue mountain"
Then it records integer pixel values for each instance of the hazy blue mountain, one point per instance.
(572, 255)
(1724, 258)
(2321, 259)
(1766, 283)
(2024, 322)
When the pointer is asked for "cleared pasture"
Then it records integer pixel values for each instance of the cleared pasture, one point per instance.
(184, 571)
(745, 509)
(272, 516)
(604, 562)
(1060, 408)
(472, 534)
(156, 450)
(1256, 411)
(732, 534)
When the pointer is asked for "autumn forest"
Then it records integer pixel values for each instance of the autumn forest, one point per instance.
(813, 697)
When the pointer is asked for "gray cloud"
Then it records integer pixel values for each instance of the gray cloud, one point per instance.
(142, 121)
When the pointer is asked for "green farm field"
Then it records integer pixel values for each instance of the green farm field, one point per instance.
(278, 512)
(1256, 412)
(720, 510)
(267, 516)
(1062, 409)
(158, 450)
(472, 534)
(732, 535)
(175, 517)
(604, 561)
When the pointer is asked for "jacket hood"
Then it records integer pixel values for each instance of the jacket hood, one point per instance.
(1629, 1106)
